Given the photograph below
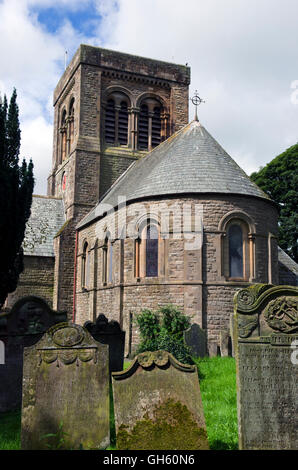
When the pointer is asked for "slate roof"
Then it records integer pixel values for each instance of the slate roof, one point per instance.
(190, 161)
(47, 217)
(286, 263)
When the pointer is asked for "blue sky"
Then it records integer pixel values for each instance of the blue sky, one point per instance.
(242, 54)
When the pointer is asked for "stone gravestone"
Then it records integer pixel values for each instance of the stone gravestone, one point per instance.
(66, 391)
(22, 326)
(225, 343)
(195, 339)
(109, 332)
(158, 405)
(265, 329)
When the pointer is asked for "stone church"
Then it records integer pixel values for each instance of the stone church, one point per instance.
(144, 208)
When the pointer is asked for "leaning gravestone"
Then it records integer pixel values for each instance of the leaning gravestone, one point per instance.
(195, 339)
(109, 332)
(22, 326)
(158, 405)
(265, 330)
(66, 391)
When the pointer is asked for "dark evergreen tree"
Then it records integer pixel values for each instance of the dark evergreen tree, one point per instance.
(16, 188)
(279, 179)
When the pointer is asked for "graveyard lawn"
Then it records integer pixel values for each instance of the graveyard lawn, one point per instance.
(218, 389)
(219, 396)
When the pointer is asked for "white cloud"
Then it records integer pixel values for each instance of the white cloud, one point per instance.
(37, 139)
(242, 55)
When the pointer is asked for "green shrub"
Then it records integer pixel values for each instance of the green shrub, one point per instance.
(164, 330)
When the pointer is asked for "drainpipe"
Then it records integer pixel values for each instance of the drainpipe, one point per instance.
(75, 279)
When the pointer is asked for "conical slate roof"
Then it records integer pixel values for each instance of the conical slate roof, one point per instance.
(190, 161)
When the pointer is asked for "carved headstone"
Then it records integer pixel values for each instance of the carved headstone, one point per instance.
(66, 391)
(23, 326)
(109, 332)
(158, 405)
(195, 339)
(265, 329)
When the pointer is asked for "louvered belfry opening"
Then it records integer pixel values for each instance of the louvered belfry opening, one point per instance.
(156, 127)
(123, 123)
(110, 122)
(143, 128)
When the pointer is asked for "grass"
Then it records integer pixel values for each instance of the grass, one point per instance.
(218, 389)
(10, 430)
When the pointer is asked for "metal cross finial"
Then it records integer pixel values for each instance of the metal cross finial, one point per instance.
(196, 100)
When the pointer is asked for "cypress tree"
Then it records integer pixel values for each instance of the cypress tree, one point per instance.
(16, 188)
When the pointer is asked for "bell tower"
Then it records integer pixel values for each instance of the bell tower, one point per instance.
(111, 108)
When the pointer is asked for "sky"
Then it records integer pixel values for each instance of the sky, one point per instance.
(242, 54)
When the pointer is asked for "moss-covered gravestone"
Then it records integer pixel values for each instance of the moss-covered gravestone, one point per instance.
(158, 405)
(265, 338)
(66, 391)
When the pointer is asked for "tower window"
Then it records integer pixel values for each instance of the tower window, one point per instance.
(110, 122)
(116, 120)
(152, 124)
(63, 133)
(156, 127)
(143, 127)
(122, 124)
(71, 124)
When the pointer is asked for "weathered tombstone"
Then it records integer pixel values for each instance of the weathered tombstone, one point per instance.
(265, 329)
(109, 332)
(22, 326)
(195, 339)
(225, 343)
(66, 391)
(213, 348)
(158, 405)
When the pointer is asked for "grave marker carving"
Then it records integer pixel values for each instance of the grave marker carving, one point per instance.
(66, 380)
(265, 328)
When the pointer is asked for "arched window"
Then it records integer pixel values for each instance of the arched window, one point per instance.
(151, 127)
(110, 122)
(123, 124)
(85, 267)
(63, 134)
(236, 251)
(143, 128)
(71, 124)
(149, 251)
(156, 126)
(107, 260)
(116, 119)
(237, 246)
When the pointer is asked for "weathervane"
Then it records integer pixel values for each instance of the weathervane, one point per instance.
(196, 100)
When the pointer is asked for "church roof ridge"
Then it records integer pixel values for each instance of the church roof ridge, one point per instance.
(190, 161)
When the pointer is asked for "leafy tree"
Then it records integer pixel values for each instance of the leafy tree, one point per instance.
(164, 330)
(279, 179)
(16, 188)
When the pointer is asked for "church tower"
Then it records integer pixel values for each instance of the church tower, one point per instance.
(111, 108)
